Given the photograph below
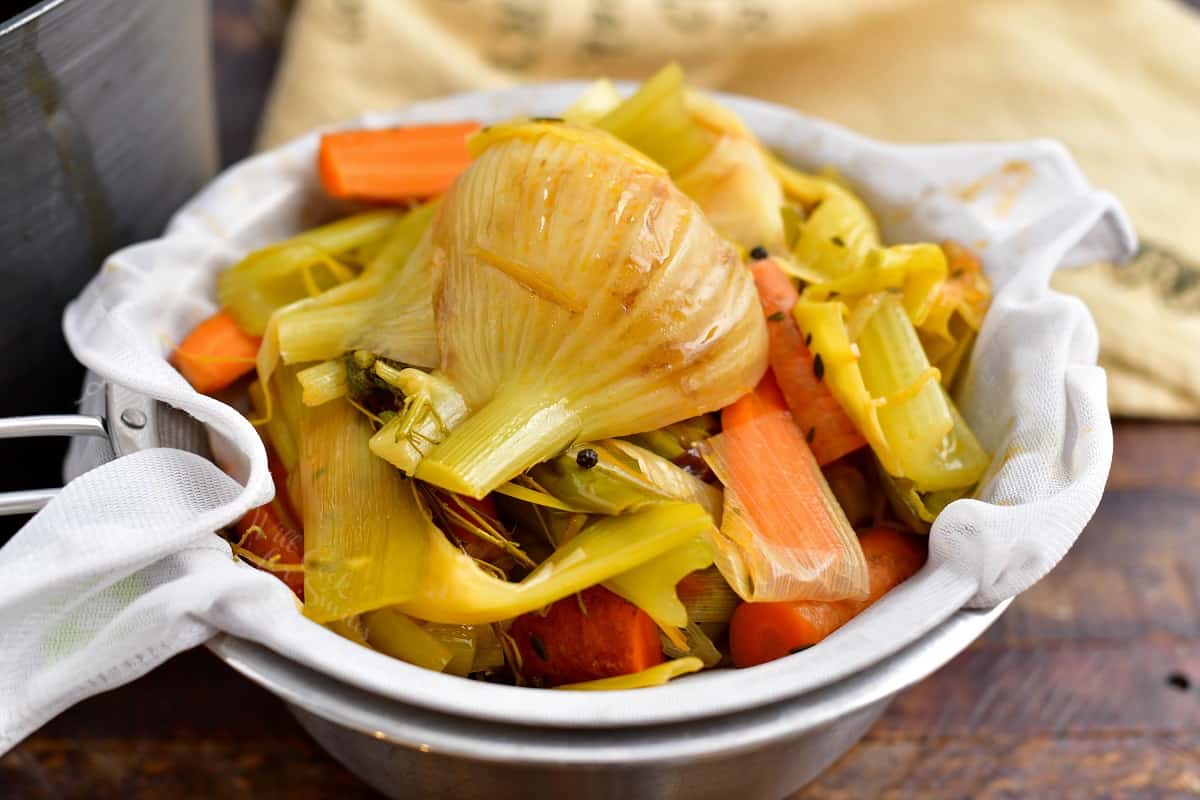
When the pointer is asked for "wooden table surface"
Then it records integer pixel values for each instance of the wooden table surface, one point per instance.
(1088, 687)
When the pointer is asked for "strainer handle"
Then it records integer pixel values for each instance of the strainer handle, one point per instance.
(30, 501)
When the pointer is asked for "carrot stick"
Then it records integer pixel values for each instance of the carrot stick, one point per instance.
(216, 353)
(394, 164)
(799, 545)
(761, 632)
(830, 431)
(567, 645)
(268, 533)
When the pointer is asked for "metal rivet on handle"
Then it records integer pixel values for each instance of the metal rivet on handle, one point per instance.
(133, 418)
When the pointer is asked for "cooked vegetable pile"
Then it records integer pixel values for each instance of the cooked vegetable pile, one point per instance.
(597, 401)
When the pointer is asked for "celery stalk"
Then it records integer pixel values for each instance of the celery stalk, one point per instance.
(656, 121)
(599, 99)
(913, 414)
(322, 382)
(504, 438)
(273, 277)
(387, 310)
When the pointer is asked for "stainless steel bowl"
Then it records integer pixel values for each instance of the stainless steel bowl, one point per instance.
(767, 753)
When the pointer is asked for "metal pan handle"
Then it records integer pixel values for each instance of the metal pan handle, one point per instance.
(30, 501)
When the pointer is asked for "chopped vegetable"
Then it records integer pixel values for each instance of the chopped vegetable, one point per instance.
(432, 408)
(323, 382)
(783, 536)
(303, 266)
(216, 353)
(707, 596)
(599, 99)
(455, 589)
(813, 406)
(568, 644)
(398, 636)
(761, 632)
(656, 121)
(387, 310)
(850, 487)
(361, 549)
(933, 446)
(652, 676)
(394, 165)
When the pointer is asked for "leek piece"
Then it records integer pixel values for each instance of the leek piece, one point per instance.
(394, 634)
(460, 641)
(362, 550)
(849, 486)
(886, 384)
(677, 440)
(697, 643)
(708, 597)
(627, 478)
(352, 628)
(322, 382)
(597, 100)
(268, 279)
(825, 322)
(622, 309)
(533, 497)
(654, 676)
(917, 511)
(714, 117)
(651, 587)
(956, 312)
(388, 310)
(489, 650)
(840, 230)
(455, 590)
(916, 270)
(432, 408)
(282, 431)
(624, 478)
(656, 121)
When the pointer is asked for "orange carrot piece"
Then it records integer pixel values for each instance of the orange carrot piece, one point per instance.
(394, 164)
(831, 433)
(567, 645)
(795, 518)
(216, 353)
(761, 632)
(268, 533)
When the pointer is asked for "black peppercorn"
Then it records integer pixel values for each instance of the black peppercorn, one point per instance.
(587, 458)
(758, 253)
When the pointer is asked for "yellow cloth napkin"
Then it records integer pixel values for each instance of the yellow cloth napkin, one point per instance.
(1118, 81)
